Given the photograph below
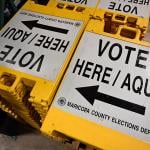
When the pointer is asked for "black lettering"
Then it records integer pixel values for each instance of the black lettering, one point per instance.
(141, 2)
(77, 65)
(130, 49)
(134, 10)
(115, 46)
(97, 71)
(101, 50)
(146, 2)
(56, 44)
(25, 36)
(40, 41)
(27, 58)
(112, 5)
(145, 89)
(84, 2)
(140, 58)
(48, 42)
(17, 35)
(5, 53)
(11, 32)
(137, 84)
(87, 68)
(5, 31)
(12, 60)
(106, 74)
(39, 61)
(63, 46)
(119, 8)
(135, 1)
(130, 1)
(126, 82)
(127, 8)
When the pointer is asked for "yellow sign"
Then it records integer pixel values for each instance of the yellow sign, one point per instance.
(103, 99)
(36, 47)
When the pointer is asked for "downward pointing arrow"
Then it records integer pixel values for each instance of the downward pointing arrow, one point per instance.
(90, 93)
(34, 24)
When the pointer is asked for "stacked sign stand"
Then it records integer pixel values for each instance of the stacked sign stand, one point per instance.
(103, 99)
(78, 71)
(36, 47)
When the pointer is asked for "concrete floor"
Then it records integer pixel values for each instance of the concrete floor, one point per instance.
(31, 141)
(17, 136)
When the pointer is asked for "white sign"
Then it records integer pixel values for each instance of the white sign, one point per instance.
(134, 7)
(90, 3)
(108, 82)
(37, 44)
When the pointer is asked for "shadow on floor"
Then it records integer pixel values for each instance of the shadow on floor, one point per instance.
(17, 136)
(11, 127)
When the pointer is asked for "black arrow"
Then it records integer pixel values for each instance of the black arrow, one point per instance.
(90, 93)
(34, 24)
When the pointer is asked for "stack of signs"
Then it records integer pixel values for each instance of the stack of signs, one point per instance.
(106, 94)
(139, 8)
(36, 47)
(37, 44)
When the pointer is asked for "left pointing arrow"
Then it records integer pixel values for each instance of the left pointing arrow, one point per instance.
(90, 93)
(34, 24)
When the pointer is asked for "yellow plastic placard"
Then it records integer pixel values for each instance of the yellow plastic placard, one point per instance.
(90, 4)
(36, 47)
(103, 99)
(139, 8)
(4, 106)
